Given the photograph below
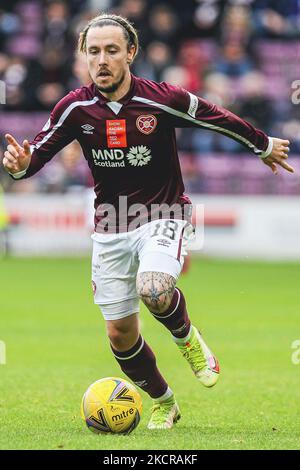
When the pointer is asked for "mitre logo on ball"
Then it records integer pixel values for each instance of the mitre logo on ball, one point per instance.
(146, 123)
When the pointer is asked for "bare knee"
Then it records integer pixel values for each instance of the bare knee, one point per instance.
(155, 290)
(123, 334)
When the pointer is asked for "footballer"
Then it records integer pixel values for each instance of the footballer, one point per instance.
(126, 128)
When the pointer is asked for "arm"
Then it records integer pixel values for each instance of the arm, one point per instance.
(23, 161)
(188, 110)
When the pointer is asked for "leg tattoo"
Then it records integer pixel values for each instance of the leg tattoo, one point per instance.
(156, 290)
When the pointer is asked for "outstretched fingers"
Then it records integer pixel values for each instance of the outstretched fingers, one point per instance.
(272, 166)
(26, 147)
(12, 141)
(287, 167)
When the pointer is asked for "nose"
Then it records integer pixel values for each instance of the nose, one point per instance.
(102, 58)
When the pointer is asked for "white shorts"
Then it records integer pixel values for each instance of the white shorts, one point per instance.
(117, 258)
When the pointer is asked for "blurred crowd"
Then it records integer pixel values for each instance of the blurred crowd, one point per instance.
(240, 54)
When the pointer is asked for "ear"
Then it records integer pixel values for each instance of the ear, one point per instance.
(130, 55)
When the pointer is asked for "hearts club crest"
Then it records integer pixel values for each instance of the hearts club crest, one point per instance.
(146, 123)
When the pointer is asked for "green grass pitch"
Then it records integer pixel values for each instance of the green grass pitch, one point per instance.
(56, 347)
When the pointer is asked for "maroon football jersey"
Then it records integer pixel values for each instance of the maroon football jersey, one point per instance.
(130, 145)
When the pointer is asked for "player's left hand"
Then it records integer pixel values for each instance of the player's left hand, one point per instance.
(278, 156)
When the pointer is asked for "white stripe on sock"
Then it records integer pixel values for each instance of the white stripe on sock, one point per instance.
(185, 339)
(133, 355)
(173, 311)
(165, 396)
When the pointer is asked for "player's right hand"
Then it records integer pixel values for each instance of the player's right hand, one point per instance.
(16, 158)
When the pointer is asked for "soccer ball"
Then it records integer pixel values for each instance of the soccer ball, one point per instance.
(111, 405)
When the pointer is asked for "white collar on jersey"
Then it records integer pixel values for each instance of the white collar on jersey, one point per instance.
(114, 106)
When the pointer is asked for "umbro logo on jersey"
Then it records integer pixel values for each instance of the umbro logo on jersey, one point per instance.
(88, 129)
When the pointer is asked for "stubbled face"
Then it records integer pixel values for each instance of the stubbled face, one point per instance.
(108, 57)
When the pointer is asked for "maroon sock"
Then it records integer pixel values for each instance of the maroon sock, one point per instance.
(139, 364)
(176, 318)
